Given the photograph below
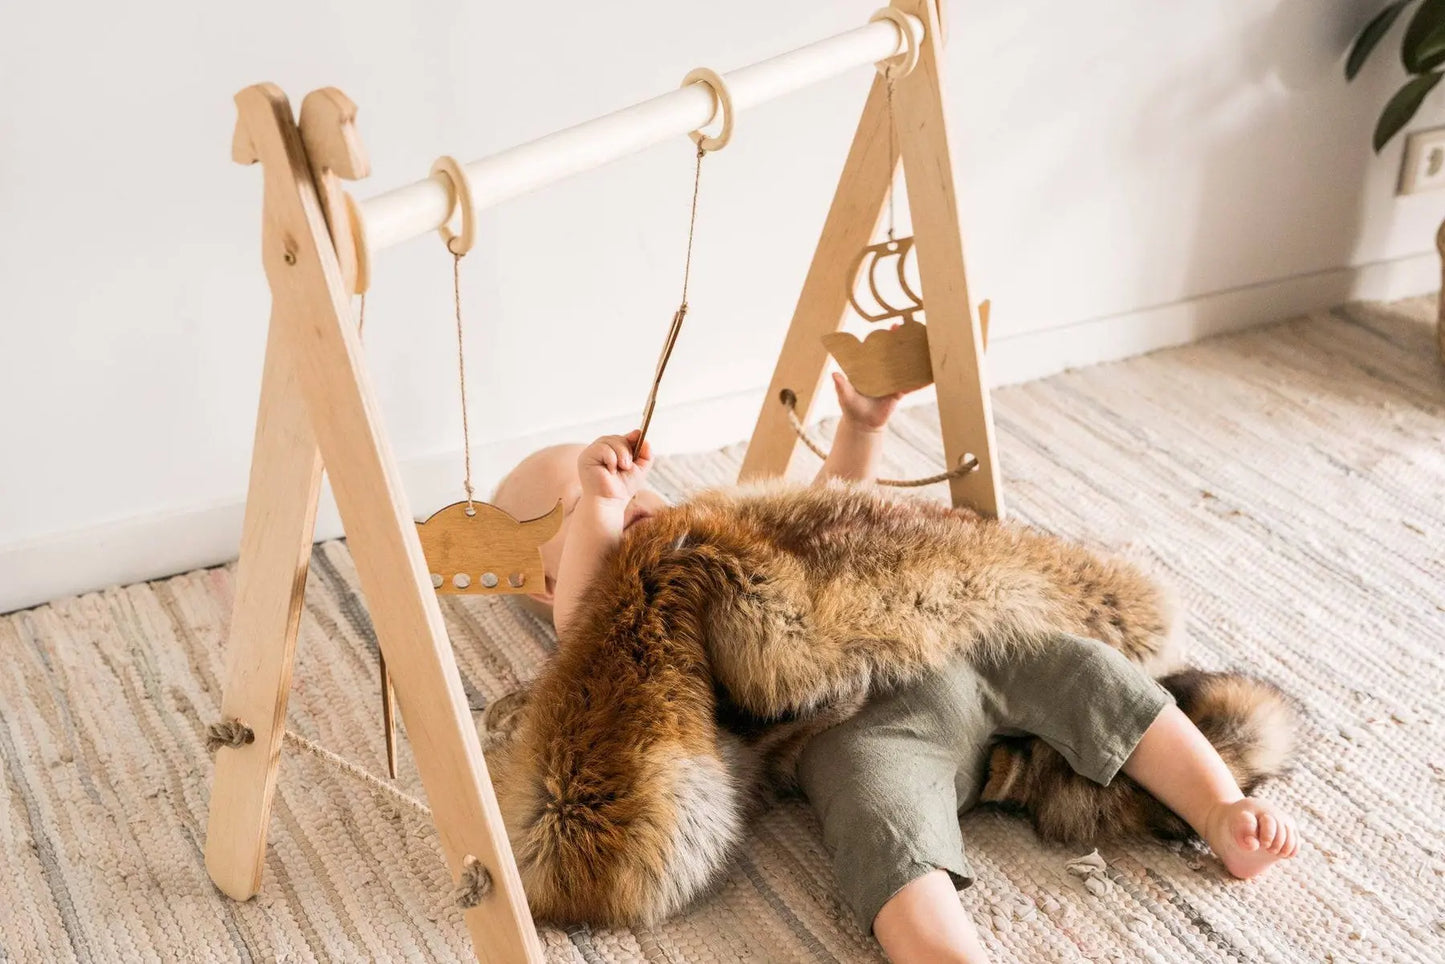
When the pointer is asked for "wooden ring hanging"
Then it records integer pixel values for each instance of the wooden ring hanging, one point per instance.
(899, 65)
(724, 106)
(462, 192)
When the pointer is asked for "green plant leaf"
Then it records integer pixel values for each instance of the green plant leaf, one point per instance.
(1424, 45)
(1402, 107)
(1373, 33)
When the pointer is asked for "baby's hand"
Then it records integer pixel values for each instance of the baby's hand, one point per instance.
(608, 469)
(864, 411)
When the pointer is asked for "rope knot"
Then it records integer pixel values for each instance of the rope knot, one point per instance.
(232, 733)
(475, 883)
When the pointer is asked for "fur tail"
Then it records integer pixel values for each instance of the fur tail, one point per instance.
(1250, 722)
(616, 849)
(623, 799)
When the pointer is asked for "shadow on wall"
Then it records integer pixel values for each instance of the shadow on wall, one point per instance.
(1260, 213)
(1269, 201)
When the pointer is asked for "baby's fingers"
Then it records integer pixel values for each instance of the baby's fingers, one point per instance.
(641, 456)
(602, 453)
(620, 451)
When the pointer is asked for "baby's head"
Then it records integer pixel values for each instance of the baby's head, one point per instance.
(535, 485)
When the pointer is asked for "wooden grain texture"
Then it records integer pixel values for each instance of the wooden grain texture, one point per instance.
(334, 151)
(276, 540)
(310, 310)
(487, 543)
(889, 360)
(955, 339)
(823, 303)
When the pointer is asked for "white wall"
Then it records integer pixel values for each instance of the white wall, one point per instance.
(1133, 174)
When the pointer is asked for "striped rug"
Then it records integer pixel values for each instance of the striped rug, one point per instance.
(1289, 480)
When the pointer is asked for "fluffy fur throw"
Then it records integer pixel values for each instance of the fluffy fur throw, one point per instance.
(726, 630)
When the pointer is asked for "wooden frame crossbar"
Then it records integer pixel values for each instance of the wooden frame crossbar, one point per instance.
(317, 408)
(417, 209)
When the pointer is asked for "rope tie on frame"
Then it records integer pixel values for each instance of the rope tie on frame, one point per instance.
(475, 885)
(476, 880)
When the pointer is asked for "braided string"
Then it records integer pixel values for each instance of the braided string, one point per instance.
(476, 881)
(678, 315)
(789, 401)
(462, 380)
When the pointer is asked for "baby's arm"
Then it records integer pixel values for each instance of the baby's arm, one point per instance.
(858, 443)
(610, 476)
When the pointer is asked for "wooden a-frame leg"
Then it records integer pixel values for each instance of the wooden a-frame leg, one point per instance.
(276, 539)
(955, 340)
(823, 304)
(270, 584)
(310, 311)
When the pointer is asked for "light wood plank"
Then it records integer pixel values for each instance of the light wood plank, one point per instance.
(270, 584)
(887, 361)
(823, 304)
(492, 552)
(955, 339)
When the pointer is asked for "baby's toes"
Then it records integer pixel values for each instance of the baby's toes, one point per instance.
(1268, 831)
(1287, 837)
(1244, 827)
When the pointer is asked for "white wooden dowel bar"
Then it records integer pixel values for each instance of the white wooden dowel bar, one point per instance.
(417, 209)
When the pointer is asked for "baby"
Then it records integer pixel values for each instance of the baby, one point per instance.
(888, 782)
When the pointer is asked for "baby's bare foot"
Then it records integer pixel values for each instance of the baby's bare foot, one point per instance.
(1249, 835)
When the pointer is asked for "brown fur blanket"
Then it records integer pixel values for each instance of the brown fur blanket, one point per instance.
(727, 629)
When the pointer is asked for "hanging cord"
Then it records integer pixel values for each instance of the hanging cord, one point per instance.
(789, 401)
(458, 245)
(892, 150)
(691, 227)
(462, 380)
(722, 105)
(476, 880)
(681, 312)
(361, 317)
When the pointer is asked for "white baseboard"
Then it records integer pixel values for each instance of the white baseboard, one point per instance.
(152, 546)
(1037, 354)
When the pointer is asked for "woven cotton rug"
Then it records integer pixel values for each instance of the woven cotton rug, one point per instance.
(1289, 480)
